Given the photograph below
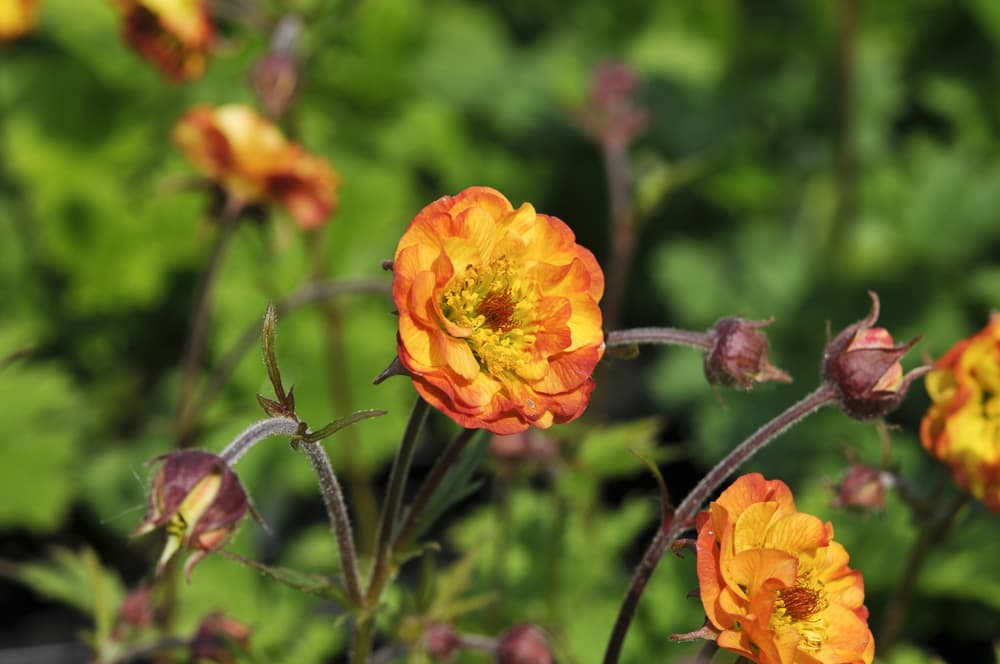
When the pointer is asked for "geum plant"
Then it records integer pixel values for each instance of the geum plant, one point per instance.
(500, 329)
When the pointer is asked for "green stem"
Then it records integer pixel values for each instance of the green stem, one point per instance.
(187, 405)
(382, 565)
(933, 534)
(430, 485)
(364, 637)
(684, 515)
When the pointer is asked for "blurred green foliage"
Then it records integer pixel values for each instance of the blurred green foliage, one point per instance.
(798, 154)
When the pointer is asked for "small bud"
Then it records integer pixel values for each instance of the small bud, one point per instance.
(441, 640)
(137, 609)
(217, 638)
(862, 364)
(524, 644)
(612, 113)
(527, 446)
(740, 354)
(198, 500)
(863, 488)
(275, 80)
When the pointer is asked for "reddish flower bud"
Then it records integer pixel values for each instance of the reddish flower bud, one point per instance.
(441, 640)
(198, 500)
(137, 610)
(275, 80)
(863, 488)
(611, 113)
(740, 354)
(862, 365)
(524, 644)
(527, 446)
(217, 638)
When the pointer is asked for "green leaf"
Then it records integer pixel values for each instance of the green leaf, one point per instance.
(75, 578)
(337, 425)
(456, 485)
(44, 418)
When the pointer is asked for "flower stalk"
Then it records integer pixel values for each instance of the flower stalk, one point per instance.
(684, 514)
(667, 336)
(340, 524)
(382, 565)
(430, 485)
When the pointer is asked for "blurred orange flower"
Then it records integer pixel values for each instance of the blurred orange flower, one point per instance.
(962, 426)
(774, 584)
(175, 35)
(253, 162)
(17, 17)
(499, 324)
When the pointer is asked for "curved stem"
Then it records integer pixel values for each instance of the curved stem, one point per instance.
(659, 335)
(340, 524)
(253, 434)
(430, 485)
(382, 565)
(688, 509)
(932, 535)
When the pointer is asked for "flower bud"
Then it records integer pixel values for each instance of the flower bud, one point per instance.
(740, 354)
(275, 80)
(137, 611)
(216, 639)
(524, 644)
(863, 488)
(441, 640)
(862, 365)
(198, 500)
(523, 448)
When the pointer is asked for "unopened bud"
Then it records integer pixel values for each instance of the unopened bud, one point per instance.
(218, 638)
(862, 364)
(198, 500)
(740, 355)
(441, 640)
(524, 644)
(527, 446)
(863, 488)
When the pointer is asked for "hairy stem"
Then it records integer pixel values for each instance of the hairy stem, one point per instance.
(340, 524)
(430, 485)
(364, 637)
(659, 335)
(684, 514)
(256, 432)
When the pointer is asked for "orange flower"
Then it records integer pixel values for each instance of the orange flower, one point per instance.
(774, 584)
(17, 17)
(498, 318)
(175, 35)
(252, 160)
(962, 426)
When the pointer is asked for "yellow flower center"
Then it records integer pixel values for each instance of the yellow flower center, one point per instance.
(801, 607)
(492, 302)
